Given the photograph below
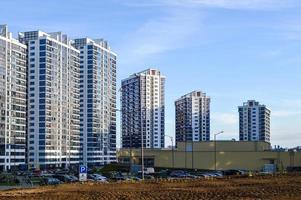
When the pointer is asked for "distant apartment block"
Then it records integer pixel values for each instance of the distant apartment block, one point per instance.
(97, 101)
(13, 87)
(143, 110)
(254, 122)
(53, 100)
(193, 117)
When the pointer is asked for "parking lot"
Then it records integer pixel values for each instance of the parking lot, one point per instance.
(281, 187)
(36, 178)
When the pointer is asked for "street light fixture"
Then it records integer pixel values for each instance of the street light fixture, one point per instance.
(215, 147)
(142, 156)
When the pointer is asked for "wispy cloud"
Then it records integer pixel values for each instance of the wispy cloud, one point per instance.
(225, 118)
(285, 113)
(291, 103)
(160, 34)
(246, 4)
(225, 4)
(285, 123)
(286, 137)
(179, 21)
(287, 29)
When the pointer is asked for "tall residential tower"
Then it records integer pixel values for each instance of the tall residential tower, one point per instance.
(143, 111)
(53, 100)
(193, 117)
(13, 88)
(254, 122)
(97, 102)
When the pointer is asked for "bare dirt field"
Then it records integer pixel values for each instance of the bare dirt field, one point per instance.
(280, 187)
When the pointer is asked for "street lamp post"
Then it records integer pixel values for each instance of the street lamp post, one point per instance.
(172, 150)
(142, 157)
(215, 148)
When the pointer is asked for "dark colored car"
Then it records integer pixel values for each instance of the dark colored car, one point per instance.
(63, 178)
(180, 174)
(233, 172)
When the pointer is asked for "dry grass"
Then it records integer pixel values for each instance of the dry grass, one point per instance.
(279, 187)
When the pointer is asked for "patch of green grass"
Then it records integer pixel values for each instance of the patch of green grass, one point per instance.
(8, 180)
(36, 180)
(8, 184)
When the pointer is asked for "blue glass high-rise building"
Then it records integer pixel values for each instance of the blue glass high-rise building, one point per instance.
(193, 117)
(143, 110)
(97, 102)
(254, 122)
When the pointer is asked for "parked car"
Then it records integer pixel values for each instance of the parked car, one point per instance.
(180, 174)
(118, 178)
(162, 173)
(52, 181)
(97, 177)
(135, 178)
(147, 170)
(218, 174)
(61, 171)
(146, 177)
(73, 178)
(64, 178)
(232, 172)
(199, 175)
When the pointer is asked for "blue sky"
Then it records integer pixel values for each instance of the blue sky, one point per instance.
(233, 50)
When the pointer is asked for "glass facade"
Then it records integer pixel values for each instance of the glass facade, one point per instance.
(254, 122)
(143, 110)
(57, 101)
(97, 102)
(13, 86)
(193, 117)
(53, 108)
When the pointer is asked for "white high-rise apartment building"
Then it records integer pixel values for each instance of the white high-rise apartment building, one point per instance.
(97, 102)
(13, 86)
(53, 100)
(143, 112)
(193, 117)
(254, 122)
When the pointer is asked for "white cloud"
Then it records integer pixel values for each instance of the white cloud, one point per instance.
(226, 4)
(286, 137)
(287, 108)
(246, 4)
(161, 34)
(292, 103)
(225, 118)
(285, 113)
(179, 22)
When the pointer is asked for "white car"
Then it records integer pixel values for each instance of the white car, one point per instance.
(98, 178)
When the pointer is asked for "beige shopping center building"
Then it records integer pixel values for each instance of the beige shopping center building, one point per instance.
(220, 155)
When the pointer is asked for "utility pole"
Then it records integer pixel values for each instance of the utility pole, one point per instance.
(142, 157)
(215, 148)
(185, 150)
(173, 152)
(192, 153)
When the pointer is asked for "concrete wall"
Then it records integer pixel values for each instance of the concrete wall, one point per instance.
(224, 146)
(247, 160)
